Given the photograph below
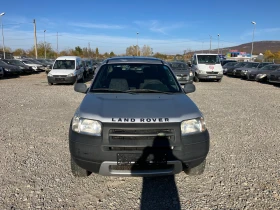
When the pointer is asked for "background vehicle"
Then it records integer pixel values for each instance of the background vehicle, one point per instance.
(182, 72)
(227, 66)
(230, 71)
(246, 70)
(10, 70)
(263, 72)
(66, 69)
(223, 62)
(207, 66)
(274, 77)
(35, 66)
(250, 65)
(137, 139)
(25, 69)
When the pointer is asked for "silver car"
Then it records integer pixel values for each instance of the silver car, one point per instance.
(136, 120)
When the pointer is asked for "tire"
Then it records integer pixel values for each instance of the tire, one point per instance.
(82, 79)
(219, 80)
(49, 83)
(195, 78)
(77, 171)
(197, 170)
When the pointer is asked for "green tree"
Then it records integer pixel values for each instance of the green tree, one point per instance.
(50, 53)
(112, 54)
(97, 52)
(19, 52)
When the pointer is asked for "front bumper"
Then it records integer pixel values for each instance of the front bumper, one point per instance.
(62, 79)
(210, 76)
(100, 154)
(274, 79)
(251, 77)
(185, 80)
(12, 72)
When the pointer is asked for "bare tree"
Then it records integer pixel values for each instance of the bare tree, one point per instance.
(146, 50)
(132, 50)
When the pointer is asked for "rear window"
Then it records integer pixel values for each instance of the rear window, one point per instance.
(208, 59)
(124, 77)
(64, 64)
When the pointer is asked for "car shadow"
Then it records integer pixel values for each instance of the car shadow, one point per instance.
(158, 192)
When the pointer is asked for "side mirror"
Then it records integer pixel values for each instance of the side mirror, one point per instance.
(80, 87)
(189, 88)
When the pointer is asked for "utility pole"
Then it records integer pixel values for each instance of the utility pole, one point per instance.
(35, 39)
(218, 43)
(210, 43)
(57, 44)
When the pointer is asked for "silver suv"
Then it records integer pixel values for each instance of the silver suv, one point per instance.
(136, 120)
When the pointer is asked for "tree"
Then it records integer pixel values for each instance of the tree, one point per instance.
(106, 55)
(50, 53)
(112, 54)
(132, 50)
(277, 55)
(19, 52)
(159, 55)
(97, 52)
(268, 54)
(146, 50)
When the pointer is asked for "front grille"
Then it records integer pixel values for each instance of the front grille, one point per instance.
(211, 72)
(135, 134)
(140, 167)
(59, 76)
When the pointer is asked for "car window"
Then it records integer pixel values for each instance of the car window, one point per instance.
(64, 64)
(270, 67)
(132, 76)
(178, 66)
(208, 59)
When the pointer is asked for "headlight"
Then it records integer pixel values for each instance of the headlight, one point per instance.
(191, 73)
(50, 75)
(261, 75)
(200, 71)
(193, 126)
(225, 69)
(86, 126)
(7, 69)
(70, 75)
(178, 77)
(34, 67)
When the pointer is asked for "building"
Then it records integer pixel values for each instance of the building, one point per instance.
(7, 55)
(239, 56)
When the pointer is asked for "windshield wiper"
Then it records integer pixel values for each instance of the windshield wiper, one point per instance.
(147, 91)
(108, 90)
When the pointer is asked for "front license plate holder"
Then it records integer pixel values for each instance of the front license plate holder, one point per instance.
(212, 77)
(138, 159)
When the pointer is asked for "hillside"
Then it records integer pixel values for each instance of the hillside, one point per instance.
(259, 47)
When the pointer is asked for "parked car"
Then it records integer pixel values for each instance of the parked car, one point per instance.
(250, 65)
(25, 69)
(66, 69)
(247, 70)
(274, 77)
(89, 66)
(10, 70)
(263, 72)
(227, 66)
(35, 66)
(1, 72)
(125, 125)
(237, 65)
(182, 72)
(48, 64)
(223, 62)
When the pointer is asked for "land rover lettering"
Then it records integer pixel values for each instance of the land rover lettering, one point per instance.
(142, 120)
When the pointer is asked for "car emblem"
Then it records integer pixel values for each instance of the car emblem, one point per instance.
(161, 134)
(211, 67)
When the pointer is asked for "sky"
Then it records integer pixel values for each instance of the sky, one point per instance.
(166, 26)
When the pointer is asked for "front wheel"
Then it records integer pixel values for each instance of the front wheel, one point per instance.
(49, 83)
(77, 171)
(219, 80)
(197, 170)
(196, 79)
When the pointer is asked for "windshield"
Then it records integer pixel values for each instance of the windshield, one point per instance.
(208, 59)
(251, 65)
(64, 64)
(28, 62)
(3, 63)
(178, 66)
(135, 77)
(229, 64)
(270, 67)
(16, 62)
(240, 65)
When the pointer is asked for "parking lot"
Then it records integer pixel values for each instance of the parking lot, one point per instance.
(242, 170)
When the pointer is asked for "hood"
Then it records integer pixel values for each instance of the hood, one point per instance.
(62, 71)
(149, 107)
(244, 68)
(33, 64)
(9, 66)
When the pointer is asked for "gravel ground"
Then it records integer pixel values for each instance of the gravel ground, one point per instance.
(242, 170)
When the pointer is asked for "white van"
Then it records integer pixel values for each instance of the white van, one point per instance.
(66, 69)
(207, 66)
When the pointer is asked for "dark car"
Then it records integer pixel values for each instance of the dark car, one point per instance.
(263, 72)
(246, 70)
(223, 62)
(10, 70)
(25, 69)
(250, 65)
(182, 72)
(228, 66)
(274, 77)
(136, 120)
(230, 71)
